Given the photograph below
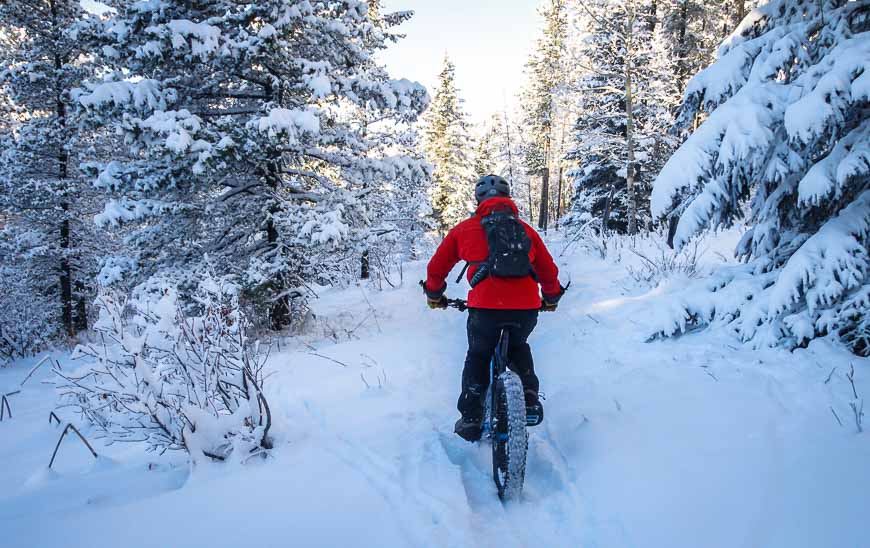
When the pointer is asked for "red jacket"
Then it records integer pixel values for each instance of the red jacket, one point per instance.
(467, 242)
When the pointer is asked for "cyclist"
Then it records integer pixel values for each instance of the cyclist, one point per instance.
(494, 299)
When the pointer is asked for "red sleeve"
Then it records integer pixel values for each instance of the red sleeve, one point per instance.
(545, 267)
(442, 262)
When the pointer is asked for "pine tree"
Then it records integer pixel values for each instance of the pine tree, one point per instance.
(625, 98)
(485, 154)
(244, 138)
(785, 133)
(545, 73)
(43, 197)
(695, 29)
(446, 143)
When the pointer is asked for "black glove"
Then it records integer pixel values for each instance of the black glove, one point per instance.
(549, 303)
(435, 299)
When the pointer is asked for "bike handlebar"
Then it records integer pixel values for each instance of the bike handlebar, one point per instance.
(462, 304)
(459, 304)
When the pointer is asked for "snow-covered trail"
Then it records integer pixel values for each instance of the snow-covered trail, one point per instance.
(689, 442)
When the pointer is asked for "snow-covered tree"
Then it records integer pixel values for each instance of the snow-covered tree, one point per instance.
(541, 100)
(447, 143)
(785, 138)
(625, 99)
(43, 197)
(485, 153)
(246, 138)
(694, 30)
(401, 211)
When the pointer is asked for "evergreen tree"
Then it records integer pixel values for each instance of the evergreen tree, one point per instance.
(485, 154)
(545, 73)
(625, 97)
(46, 233)
(785, 133)
(446, 143)
(694, 30)
(245, 139)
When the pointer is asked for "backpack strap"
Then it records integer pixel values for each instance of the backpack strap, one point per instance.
(465, 269)
(481, 274)
(462, 273)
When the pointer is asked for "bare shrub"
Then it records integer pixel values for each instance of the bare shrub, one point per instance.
(171, 380)
(661, 262)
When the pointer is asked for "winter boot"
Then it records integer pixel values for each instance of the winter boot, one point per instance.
(469, 428)
(534, 409)
(471, 405)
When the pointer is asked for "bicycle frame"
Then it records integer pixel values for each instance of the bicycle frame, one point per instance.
(497, 366)
(509, 441)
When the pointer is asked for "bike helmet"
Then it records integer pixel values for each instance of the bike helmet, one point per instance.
(490, 186)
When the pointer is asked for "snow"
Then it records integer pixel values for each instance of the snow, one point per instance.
(291, 122)
(824, 282)
(693, 441)
(320, 86)
(116, 212)
(177, 125)
(833, 89)
(827, 178)
(730, 137)
(143, 94)
(204, 38)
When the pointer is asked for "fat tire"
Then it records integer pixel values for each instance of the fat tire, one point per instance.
(510, 439)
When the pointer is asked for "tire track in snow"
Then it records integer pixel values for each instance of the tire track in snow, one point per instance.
(412, 483)
(489, 519)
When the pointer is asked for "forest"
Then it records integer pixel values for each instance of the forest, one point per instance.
(194, 195)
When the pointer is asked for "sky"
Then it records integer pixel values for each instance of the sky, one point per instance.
(488, 41)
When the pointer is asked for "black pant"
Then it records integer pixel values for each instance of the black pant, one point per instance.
(484, 328)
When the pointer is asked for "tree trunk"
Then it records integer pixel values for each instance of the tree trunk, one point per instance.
(682, 25)
(507, 132)
(559, 198)
(66, 297)
(545, 200)
(81, 308)
(629, 135)
(673, 222)
(605, 215)
(65, 238)
(280, 311)
(279, 314)
(531, 201)
(741, 11)
(364, 265)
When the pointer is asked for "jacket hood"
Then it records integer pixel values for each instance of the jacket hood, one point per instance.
(491, 204)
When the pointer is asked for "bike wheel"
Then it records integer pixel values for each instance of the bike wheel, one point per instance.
(510, 440)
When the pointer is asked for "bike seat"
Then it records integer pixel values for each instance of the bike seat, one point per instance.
(508, 325)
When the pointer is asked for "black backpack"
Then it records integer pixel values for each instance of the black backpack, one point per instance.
(509, 247)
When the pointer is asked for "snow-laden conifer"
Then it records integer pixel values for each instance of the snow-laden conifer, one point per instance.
(543, 107)
(625, 94)
(245, 132)
(48, 248)
(783, 137)
(448, 146)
